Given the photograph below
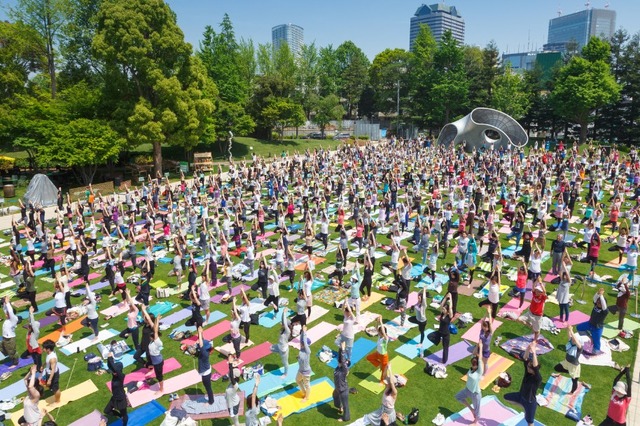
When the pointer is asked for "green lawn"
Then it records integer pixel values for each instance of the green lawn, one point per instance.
(425, 392)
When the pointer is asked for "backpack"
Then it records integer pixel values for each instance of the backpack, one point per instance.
(413, 416)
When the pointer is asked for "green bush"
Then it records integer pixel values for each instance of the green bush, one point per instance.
(6, 163)
(22, 163)
(328, 137)
(275, 136)
(363, 137)
(352, 137)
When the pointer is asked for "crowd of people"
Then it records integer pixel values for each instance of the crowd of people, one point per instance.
(427, 201)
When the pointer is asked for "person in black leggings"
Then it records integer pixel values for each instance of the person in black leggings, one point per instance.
(203, 351)
(117, 405)
(443, 334)
(367, 279)
(420, 317)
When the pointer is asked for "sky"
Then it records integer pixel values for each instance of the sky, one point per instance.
(374, 25)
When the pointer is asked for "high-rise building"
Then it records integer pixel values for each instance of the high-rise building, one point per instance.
(440, 18)
(580, 27)
(291, 34)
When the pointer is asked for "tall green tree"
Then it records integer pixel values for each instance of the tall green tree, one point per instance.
(222, 57)
(281, 113)
(46, 17)
(389, 78)
(353, 75)
(420, 71)
(20, 55)
(328, 71)
(584, 85)
(327, 110)
(169, 95)
(450, 89)
(307, 78)
(510, 94)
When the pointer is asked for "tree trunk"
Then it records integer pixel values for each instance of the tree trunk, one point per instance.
(583, 132)
(51, 65)
(157, 158)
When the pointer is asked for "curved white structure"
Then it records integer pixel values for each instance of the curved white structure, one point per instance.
(484, 126)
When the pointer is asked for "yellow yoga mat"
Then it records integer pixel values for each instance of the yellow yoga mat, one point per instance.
(293, 403)
(497, 365)
(401, 263)
(399, 365)
(374, 298)
(158, 284)
(74, 393)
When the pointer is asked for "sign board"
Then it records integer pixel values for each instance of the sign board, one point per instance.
(184, 167)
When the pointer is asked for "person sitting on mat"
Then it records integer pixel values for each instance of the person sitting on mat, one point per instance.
(341, 391)
(571, 362)
(389, 397)
(203, 351)
(620, 400)
(380, 358)
(253, 405)
(420, 317)
(304, 366)
(472, 390)
(117, 405)
(526, 397)
(282, 347)
(443, 333)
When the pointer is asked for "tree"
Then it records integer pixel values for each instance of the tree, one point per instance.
(353, 67)
(307, 78)
(222, 58)
(509, 94)
(20, 55)
(328, 109)
(169, 98)
(46, 17)
(281, 113)
(582, 86)
(388, 75)
(450, 87)
(328, 71)
(420, 71)
(490, 69)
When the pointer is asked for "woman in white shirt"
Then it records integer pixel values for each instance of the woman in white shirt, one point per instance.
(155, 349)
(307, 285)
(60, 304)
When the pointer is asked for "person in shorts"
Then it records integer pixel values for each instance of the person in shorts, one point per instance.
(533, 317)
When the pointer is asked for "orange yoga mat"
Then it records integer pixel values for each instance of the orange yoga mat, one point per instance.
(71, 327)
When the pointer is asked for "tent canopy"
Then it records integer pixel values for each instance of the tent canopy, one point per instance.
(41, 192)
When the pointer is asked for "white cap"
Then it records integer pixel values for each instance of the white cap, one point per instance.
(621, 388)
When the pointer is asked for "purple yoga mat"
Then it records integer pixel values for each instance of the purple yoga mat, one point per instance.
(48, 320)
(234, 292)
(93, 287)
(4, 367)
(457, 352)
(176, 316)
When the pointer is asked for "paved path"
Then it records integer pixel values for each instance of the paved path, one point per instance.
(633, 416)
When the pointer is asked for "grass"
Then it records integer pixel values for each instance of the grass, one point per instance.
(425, 392)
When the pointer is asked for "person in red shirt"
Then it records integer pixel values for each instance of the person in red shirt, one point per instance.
(620, 400)
(594, 251)
(533, 317)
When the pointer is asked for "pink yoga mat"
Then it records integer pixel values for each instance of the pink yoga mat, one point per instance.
(92, 418)
(492, 413)
(315, 333)
(575, 317)
(411, 300)
(115, 310)
(170, 365)
(550, 277)
(459, 351)
(80, 281)
(512, 306)
(473, 334)
(246, 357)
(174, 384)
(210, 333)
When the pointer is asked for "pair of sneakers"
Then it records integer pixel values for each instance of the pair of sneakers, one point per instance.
(173, 397)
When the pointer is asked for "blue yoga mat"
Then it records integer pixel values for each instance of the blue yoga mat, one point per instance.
(361, 349)
(143, 415)
(165, 260)
(426, 281)
(411, 350)
(272, 381)
(43, 271)
(18, 387)
(270, 320)
(270, 227)
(160, 308)
(42, 307)
(509, 251)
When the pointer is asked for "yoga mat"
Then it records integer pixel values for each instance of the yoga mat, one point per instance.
(42, 307)
(17, 388)
(290, 401)
(473, 334)
(5, 366)
(411, 300)
(142, 374)
(316, 313)
(365, 319)
(175, 317)
(159, 284)
(611, 329)
(492, 413)
(213, 317)
(92, 418)
(411, 349)
(82, 344)
(19, 304)
(441, 279)
(517, 346)
(210, 333)
(218, 398)
(74, 393)
(374, 298)
(315, 333)
(228, 348)
(71, 327)
(271, 319)
(159, 308)
(575, 317)
(513, 306)
(272, 381)
(557, 393)
(457, 352)
(361, 349)
(80, 281)
(497, 365)
(174, 384)
(247, 357)
(94, 287)
(143, 415)
(115, 310)
(395, 330)
(399, 365)
(234, 292)
(518, 420)
(603, 360)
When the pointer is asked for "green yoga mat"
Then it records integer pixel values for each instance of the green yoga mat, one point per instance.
(399, 365)
(611, 329)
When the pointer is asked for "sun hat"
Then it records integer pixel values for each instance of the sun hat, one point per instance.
(621, 388)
